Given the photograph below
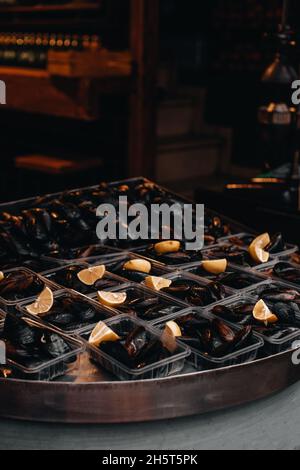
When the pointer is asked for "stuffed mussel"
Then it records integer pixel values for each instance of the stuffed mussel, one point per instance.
(137, 303)
(34, 351)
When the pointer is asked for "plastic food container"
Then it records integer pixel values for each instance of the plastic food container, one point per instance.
(271, 345)
(267, 270)
(289, 248)
(201, 282)
(47, 369)
(9, 305)
(169, 366)
(267, 283)
(77, 324)
(115, 266)
(36, 264)
(215, 252)
(195, 269)
(87, 253)
(202, 361)
(2, 315)
(57, 277)
(162, 306)
(144, 253)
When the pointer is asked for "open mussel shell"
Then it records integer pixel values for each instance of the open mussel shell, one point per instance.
(276, 244)
(20, 284)
(136, 341)
(216, 227)
(241, 314)
(31, 344)
(277, 293)
(136, 349)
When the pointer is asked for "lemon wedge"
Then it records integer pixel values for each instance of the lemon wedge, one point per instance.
(112, 299)
(169, 335)
(101, 334)
(91, 275)
(43, 303)
(1, 276)
(173, 329)
(256, 249)
(217, 266)
(170, 246)
(157, 283)
(261, 312)
(140, 265)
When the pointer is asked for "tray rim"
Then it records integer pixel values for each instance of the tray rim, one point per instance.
(110, 402)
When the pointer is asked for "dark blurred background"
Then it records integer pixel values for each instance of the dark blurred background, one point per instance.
(107, 89)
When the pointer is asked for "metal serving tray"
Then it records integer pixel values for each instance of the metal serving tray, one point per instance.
(90, 395)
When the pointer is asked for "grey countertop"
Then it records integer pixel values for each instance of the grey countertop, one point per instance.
(272, 423)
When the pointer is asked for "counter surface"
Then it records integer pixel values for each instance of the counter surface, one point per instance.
(272, 423)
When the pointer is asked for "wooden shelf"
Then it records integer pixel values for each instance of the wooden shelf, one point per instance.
(23, 72)
(72, 88)
(68, 7)
(37, 91)
(90, 64)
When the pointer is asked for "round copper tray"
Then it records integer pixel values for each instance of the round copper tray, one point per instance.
(89, 396)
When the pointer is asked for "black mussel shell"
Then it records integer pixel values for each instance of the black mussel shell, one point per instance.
(180, 257)
(19, 284)
(241, 314)
(287, 272)
(224, 331)
(284, 312)
(136, 341)
(152, 351)
(243, 337)
(276, 244)
(118, 351)
(205, 295)
(59, 318)
(278, 294)
(236, 280)
(19, 332)
(178, 288)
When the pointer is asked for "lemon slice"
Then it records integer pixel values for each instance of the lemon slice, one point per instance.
(91, 275)
(217, 266)
(256, 249)
(140, 265)
(101, 334)
(170, 246)
(169, 335)
(173, 329)
(43, 303)
(1, 276)
(112, 299)
(157, 283)
(261, 312)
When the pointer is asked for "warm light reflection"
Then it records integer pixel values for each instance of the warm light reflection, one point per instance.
(267, 180)
(244, 186)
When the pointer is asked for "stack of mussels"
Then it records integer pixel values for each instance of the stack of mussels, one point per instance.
(142, 310)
